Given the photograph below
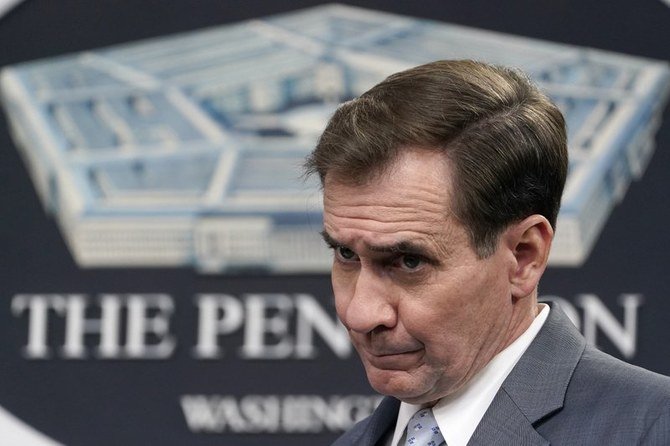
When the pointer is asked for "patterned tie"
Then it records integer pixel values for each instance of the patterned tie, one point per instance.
(422, 430)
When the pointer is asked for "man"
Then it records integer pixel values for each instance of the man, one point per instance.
(442, 185)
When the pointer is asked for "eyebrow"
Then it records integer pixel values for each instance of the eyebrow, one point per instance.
(403, 246)
(330, 241)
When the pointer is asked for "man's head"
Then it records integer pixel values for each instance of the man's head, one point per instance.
(505, 140)
(441, 189)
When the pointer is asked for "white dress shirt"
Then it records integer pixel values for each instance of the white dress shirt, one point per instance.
(459, 414)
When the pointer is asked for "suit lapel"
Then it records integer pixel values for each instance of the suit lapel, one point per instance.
(379, 423)
(505, 424)
(535, 388)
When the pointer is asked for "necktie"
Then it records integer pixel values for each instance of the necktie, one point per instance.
(422, 430)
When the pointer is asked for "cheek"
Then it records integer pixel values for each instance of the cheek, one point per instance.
(426, 320)
(341, 290)
(341, 305)
(444, 316)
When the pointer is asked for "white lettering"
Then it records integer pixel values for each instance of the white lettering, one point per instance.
(110, 344)
(275, 414)
(261, 412)
(274, 326)
(147, 322)
(596, 315)
(312, 317)
(218, 314)
(38, 306)
(140, 324)
(213, 414)
(260, 323)
(200, 413)
(77, 326)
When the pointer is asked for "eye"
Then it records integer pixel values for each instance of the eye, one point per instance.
(410, 262)
(345, 253)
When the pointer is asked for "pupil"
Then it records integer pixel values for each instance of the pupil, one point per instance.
(346, 253)
(410, 261)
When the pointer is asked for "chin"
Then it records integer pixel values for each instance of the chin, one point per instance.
(399, 384)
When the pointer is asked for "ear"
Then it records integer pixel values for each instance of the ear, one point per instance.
(529, 241)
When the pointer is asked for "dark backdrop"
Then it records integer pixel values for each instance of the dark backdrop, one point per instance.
(136, 402)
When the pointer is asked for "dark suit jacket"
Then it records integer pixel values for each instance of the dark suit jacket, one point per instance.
(561, 392)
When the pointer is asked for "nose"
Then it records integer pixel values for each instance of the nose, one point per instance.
(370, 304)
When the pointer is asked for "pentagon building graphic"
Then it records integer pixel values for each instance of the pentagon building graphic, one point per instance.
(186, 150)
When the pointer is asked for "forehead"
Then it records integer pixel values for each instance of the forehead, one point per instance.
(413, 195)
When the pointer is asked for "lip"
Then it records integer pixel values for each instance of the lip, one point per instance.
(394, 360)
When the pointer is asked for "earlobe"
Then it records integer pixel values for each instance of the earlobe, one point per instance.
(530, 241)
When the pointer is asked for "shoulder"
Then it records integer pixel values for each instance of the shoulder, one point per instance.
(559, 344)
(618, 382)
(612, 402)
(588, 397)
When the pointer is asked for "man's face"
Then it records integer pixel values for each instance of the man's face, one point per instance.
(423, 311)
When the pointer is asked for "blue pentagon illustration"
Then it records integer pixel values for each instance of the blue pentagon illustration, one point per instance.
(186, 149)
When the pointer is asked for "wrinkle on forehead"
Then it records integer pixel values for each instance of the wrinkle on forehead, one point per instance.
(418, 184)
(411, 202)
(387, 213)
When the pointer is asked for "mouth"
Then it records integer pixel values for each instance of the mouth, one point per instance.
(394, 360)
